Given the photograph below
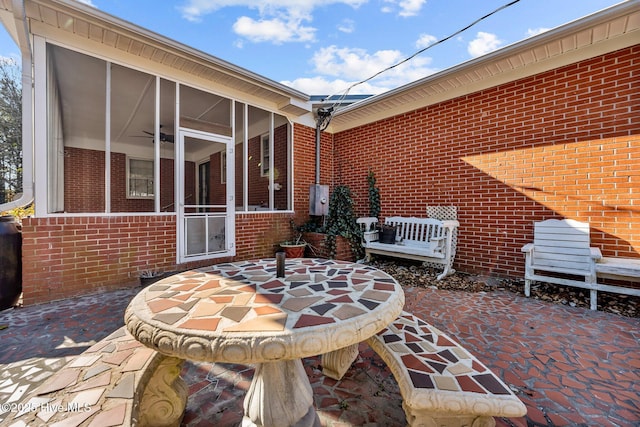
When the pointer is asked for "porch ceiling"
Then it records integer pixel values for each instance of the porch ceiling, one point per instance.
(615, 28)
(94, 25)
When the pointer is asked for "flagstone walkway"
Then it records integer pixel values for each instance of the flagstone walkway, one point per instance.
(570, 366)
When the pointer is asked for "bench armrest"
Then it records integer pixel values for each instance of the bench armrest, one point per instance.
(369, 236)
(450, 223)
(527, 248)
(595, 253)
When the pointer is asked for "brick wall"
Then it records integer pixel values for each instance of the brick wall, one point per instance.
(69, 256)
(84, 189)
(564, 143)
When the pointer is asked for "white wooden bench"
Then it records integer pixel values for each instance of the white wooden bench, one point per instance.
(561, 249)
(117, 381)
(422, 239)
(441, 383)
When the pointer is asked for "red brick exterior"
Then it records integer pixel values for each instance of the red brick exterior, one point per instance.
(564, 143)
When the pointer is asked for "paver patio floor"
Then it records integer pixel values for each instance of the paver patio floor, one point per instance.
(570, 366)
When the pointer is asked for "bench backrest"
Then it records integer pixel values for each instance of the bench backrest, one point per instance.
(562, 246)
(414, 229)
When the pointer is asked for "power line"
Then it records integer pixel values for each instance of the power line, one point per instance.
(409, 58)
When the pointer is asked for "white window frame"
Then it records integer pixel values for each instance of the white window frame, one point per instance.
(265, 158)
(128, 178)
(223, 167)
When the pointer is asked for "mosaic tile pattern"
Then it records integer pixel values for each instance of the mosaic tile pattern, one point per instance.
(96, 388)
(242, 313)
(430, 366)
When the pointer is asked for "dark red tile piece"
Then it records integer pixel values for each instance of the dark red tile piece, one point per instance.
(342, 299)
(413, 362)
(443, 341)
(478, 367)
(383, 286)
(468, 384)
(307, 320)
(411, 338)
(272, 284)
(268, 298)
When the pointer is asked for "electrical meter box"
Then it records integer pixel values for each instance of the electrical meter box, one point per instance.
(319, 200)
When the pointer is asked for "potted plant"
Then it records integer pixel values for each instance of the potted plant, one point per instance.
(148, 277)
(295, 247)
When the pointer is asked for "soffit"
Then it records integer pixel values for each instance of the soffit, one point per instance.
(606, 31)
(89, 23)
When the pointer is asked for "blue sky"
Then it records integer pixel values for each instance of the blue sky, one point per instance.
(325, 46)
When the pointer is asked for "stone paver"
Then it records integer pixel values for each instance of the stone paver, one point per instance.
(570, 366)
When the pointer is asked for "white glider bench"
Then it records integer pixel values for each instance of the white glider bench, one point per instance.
(423, 239)
(116, 382)
(561, 250)
(441, 383)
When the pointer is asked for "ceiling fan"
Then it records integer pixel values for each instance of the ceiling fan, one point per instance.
(164, 137)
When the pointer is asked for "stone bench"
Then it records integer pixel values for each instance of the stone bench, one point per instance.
(441, 383)
(117, 381)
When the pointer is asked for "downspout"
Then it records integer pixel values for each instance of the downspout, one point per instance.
(26, 197)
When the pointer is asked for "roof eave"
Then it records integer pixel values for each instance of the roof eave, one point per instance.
(486, 72)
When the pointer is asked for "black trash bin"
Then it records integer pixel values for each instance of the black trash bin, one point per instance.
(10, 261)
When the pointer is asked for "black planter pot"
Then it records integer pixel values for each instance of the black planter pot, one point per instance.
(387, 234)
(11, 261)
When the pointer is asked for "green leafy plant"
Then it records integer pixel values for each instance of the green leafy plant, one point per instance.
(341, 221)
(374, 195)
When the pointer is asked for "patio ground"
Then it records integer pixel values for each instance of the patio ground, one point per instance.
(569, 365)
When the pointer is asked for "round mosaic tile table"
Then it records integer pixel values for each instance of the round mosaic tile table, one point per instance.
(242, 313)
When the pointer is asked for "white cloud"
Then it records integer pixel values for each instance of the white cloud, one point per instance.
(483, 43)
(275, 30)
(347, 26)
(407, 7)
(323, 86)
(535, 31)
(348, 66)
(278, 21)
(193, 10)
(425, 40)
(411, 7)
(88, 2)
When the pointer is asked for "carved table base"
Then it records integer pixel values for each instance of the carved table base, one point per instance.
(336, 363)
(165, 397)
(280, 395)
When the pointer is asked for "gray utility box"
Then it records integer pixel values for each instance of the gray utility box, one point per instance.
(318, 200)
